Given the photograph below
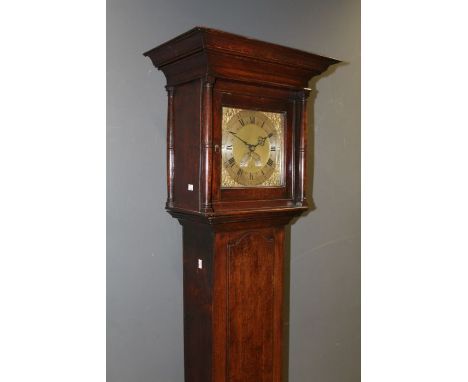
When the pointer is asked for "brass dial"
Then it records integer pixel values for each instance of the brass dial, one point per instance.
(252, 148)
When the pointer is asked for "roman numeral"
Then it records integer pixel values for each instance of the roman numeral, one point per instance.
(231, 162)
(229, 148)
(251, 176)
(239, 172)
(241, 121)
(273, 148)
(252, 119)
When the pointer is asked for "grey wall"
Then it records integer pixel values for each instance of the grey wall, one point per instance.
(144, 278)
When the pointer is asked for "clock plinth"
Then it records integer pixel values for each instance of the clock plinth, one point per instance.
(236, 171)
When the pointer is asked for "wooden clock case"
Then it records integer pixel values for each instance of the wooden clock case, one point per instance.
(233, 238)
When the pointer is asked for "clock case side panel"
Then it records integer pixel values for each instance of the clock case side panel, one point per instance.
(241, 95)
(198, 278)
(185, 146)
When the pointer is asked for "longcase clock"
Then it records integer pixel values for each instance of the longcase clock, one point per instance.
(236, 176)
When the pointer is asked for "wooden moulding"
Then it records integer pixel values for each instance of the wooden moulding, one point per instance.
(212, 52)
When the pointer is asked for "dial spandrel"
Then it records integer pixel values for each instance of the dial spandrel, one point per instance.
(252, 148)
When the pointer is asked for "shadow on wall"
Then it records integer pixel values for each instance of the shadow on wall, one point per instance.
(310, 184)
(311, 132)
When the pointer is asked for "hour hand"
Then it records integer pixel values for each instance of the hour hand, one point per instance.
(261, 140)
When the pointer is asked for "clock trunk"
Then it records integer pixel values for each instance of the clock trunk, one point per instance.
(233, 303)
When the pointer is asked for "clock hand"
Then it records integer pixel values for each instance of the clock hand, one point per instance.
(261, 140)
(248, 144)
(257, 159)
(245, 159)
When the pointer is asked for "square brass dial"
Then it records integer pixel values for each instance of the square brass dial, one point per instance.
(252, 148)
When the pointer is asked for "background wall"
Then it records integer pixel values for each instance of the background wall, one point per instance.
(144, 277)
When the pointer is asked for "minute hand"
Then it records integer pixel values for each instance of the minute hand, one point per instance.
(248, 144)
